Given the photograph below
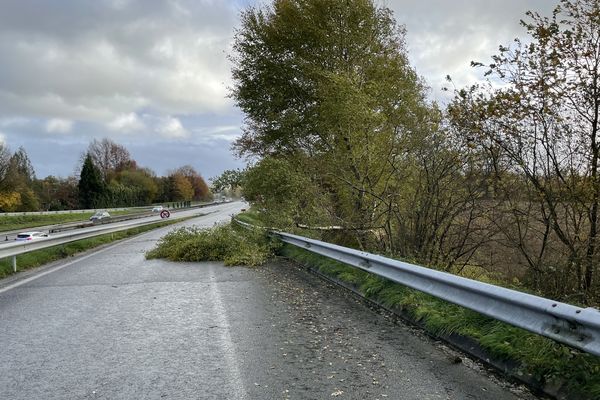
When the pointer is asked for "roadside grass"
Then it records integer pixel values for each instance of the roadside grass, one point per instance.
(546, 361)
(229, 243)
(250, 216)
(44, 256)
(14, 222)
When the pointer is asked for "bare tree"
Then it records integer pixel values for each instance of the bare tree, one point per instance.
(544, 123)
(109, 157)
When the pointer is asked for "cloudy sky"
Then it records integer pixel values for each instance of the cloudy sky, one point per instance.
(153, 74)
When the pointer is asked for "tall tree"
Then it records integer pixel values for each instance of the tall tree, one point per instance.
(301, 65)
(91, 185)
(19, 178)
(21, 165)
(229, 180)
(201, 190)
(180, 188)
(330, 96)
(109, 157)
(10, 199)
(142, 182)
(4, 163)
(8, 178)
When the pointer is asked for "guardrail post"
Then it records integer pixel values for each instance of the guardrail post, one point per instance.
(14, 263)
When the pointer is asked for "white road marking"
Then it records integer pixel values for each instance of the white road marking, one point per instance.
(229, 352)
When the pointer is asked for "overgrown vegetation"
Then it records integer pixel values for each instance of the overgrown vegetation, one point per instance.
(251, 216)
(545, 360)
(231, 244)
(505, 181)
(44, 256)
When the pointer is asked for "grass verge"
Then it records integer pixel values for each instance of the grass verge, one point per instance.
(250, 216)
(557, 368)
(44, 256)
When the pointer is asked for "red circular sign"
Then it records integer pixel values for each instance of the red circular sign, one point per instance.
(165, 214)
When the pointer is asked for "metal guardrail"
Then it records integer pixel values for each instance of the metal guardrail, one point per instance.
(16, 248)
(109, 220)
(565, 323)
(81, 211)
(93, 210)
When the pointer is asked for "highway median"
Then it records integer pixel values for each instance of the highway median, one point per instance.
(40, 257)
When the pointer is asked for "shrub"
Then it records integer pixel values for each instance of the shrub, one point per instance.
(228, 243)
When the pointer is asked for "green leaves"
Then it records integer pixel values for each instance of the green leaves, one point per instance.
(287, 60)
(233, 246)
(91, 185)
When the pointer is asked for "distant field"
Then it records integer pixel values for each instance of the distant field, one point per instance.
(11, 223)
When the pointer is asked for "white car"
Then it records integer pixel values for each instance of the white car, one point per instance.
(100, 215)
(157, 209)
(26, 236)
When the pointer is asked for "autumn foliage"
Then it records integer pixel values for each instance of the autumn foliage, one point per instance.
(108, 177)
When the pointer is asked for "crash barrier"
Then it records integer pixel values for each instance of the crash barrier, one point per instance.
(575, 326)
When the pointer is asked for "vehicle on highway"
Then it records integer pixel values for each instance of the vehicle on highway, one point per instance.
(100, 215)
(157, 209)
(26, 236)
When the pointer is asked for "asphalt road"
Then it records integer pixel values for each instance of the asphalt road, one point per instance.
(7, 237)
(112, 325)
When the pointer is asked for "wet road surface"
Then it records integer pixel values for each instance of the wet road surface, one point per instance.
(112, 325)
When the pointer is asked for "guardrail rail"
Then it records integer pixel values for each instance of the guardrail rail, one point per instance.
(575, 326)
(14, 249)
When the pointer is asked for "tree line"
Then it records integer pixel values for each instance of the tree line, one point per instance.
(501, 184)
(108, 177)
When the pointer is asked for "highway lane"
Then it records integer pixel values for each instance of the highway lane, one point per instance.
(7, 237)
(116, 326)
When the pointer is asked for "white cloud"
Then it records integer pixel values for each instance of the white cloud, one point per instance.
(126, 123)
(2, 138)
(59, 125)
(131, 55)
(227, 133)
(120, 66)
(172, 128)
(13, 122)
(443, 37)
